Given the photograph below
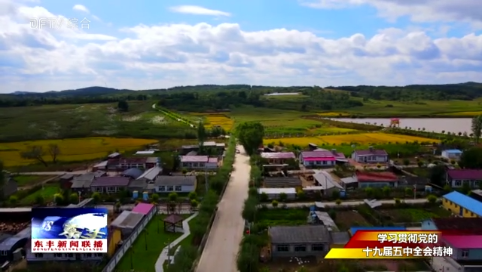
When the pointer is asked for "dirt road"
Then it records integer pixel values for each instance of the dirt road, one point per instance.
(222, 246)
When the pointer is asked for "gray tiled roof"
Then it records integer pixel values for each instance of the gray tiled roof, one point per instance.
(340, 237)
(151, 174)
(110, 181)
(138, 183)
(127, 219)
(83, 181)
(299, 234)
(175, 180)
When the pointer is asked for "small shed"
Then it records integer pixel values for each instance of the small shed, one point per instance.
(12, 243)
(133, 173)
(115, 155)
(100, 166)
(452, 154)
(274, 193)
(126, 222)
(349, 182)
(143, 208)
(145, 152)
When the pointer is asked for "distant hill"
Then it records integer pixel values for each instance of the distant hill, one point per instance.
(89, 91)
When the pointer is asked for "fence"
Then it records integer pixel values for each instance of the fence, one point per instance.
(117, 257)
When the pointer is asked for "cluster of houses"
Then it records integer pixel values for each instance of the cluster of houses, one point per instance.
(313, 179)
(145, 174)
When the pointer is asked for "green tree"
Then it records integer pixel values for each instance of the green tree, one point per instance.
(436, 175)
(387, 191)
(264, 197)
(123, 106)
(192, 196)
(248, 258)
(250, 135)
(58, 198)
(406, 162)
(477, 127)
(283, 197)
(74, 198)
(194, 203)
(96, 197)
(201, 133)
(432, 199)
(13, 200)
(249, 210)
(471, 158)
(39, 200)
(173, 197)
(274, 203)
(155, 198)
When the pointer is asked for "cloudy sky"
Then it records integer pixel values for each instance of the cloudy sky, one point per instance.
(156, 44)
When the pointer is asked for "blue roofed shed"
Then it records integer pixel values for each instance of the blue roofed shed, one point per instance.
(133, 173)
(452, 154)
(353, 230)
(462, 205)
(12, 243)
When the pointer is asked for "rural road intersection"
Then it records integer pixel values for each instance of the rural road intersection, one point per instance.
(221, 250)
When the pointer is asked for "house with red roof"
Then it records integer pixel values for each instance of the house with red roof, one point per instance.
(370, 155)
(321, 158)
(376, 179)
(457, 178)
(278, 157)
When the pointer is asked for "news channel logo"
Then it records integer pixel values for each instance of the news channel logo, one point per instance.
(69, 230)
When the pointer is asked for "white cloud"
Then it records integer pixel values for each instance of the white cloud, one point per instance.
(418, 10)
(81, 8)
(197, 10)
(181, 54)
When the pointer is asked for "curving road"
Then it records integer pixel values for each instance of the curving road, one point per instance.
(222, 246)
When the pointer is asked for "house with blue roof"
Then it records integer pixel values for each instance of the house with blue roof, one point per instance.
(462, 205)
(451, 154)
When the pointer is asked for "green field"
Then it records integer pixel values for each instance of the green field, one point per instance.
(283, 121)
(380, 108)
(142, 259)
(30, 180)
(84, 120)
(47, 192)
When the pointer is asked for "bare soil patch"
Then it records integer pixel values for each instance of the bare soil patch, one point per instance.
(347, 219)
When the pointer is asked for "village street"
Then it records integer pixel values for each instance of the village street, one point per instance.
(220, 252)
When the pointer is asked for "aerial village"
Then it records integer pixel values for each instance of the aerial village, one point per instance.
(308, 201)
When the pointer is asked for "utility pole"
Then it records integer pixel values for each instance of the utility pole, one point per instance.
(414, 191)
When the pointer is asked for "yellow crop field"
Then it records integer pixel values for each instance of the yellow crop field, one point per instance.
(221, 120)
(363, 139)
(71, 150)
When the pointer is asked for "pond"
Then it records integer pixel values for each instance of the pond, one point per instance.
(454, 125)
